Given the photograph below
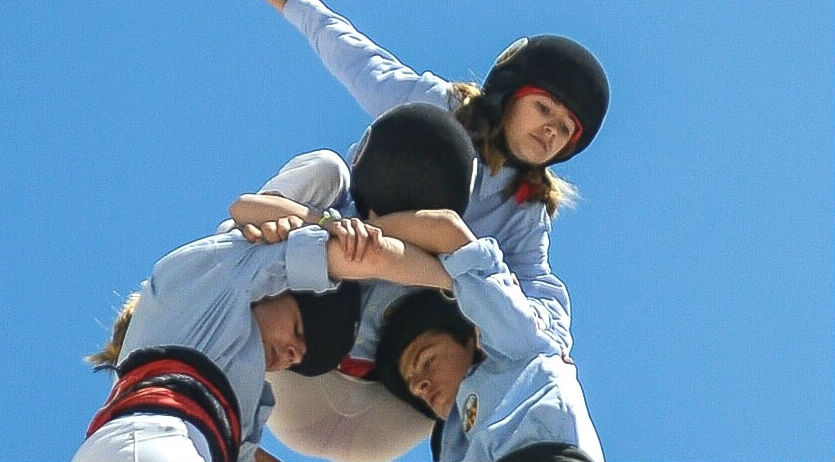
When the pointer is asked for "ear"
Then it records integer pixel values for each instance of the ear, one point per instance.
(478, 353)
(372, 214)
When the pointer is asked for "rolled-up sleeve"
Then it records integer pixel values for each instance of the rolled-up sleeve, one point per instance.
(489, 297)
(307, 260)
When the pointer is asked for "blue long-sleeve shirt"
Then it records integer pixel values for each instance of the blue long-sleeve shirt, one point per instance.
(379, 81)
(523, 392)
(199, 296)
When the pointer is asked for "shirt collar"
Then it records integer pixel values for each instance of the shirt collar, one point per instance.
(487, 185)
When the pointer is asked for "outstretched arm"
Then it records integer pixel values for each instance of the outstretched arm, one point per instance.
(373, 76)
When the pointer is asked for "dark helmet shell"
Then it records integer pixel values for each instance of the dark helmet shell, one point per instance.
(559, 65)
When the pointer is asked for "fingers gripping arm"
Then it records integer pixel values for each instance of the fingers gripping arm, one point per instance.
(393, 261)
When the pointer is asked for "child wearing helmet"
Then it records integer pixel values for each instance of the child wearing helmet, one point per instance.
(193, 347)
(491, 373)
(216, 314)
(412, 179)
(543, 102)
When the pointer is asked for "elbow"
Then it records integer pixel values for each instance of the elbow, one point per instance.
(237, 208)
(458, 233)
(442, 217)
(450, 217)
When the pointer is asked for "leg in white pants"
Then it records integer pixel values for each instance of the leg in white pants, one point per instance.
(145, 438)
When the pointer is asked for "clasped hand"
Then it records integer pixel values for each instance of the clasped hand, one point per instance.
(355, 236)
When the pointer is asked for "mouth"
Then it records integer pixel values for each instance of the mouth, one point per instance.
(541, 142)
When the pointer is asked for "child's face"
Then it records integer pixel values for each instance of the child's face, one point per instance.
(282, 332)
(537, 127)
(433, 366)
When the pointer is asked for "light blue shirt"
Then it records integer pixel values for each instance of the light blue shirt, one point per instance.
(379, 81)
(523, 392)
(200, 294)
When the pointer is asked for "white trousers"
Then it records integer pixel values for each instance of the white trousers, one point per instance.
(145, 438)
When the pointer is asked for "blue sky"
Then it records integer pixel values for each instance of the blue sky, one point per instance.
(700, 261)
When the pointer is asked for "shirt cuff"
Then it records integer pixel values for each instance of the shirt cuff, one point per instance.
(307, 260)
(481, 255)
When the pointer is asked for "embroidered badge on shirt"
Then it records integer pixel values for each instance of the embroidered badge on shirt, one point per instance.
(470, 411)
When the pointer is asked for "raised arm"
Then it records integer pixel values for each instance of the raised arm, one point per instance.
(373, 76)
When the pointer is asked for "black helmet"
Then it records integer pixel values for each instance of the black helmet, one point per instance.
(330, 322)
(414, 156)
(408, 317)
(558, 65)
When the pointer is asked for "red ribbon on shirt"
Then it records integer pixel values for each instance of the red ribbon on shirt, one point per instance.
(524, 192)
(358, 368)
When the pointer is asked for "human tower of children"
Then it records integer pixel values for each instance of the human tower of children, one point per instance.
(356, 308)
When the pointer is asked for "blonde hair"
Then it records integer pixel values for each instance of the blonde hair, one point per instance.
(549, 188)
(108, 356)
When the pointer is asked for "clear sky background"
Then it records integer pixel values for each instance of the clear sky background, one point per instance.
(700, 261)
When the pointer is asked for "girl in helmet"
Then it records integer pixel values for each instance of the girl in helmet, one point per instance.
(543, 102)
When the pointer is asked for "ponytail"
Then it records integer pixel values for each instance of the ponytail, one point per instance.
(109, 355)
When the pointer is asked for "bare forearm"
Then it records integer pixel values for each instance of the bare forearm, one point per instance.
(393, 261)
(435, 231)
(259, 208)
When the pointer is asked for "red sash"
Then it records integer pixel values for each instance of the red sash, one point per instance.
(175, 387)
